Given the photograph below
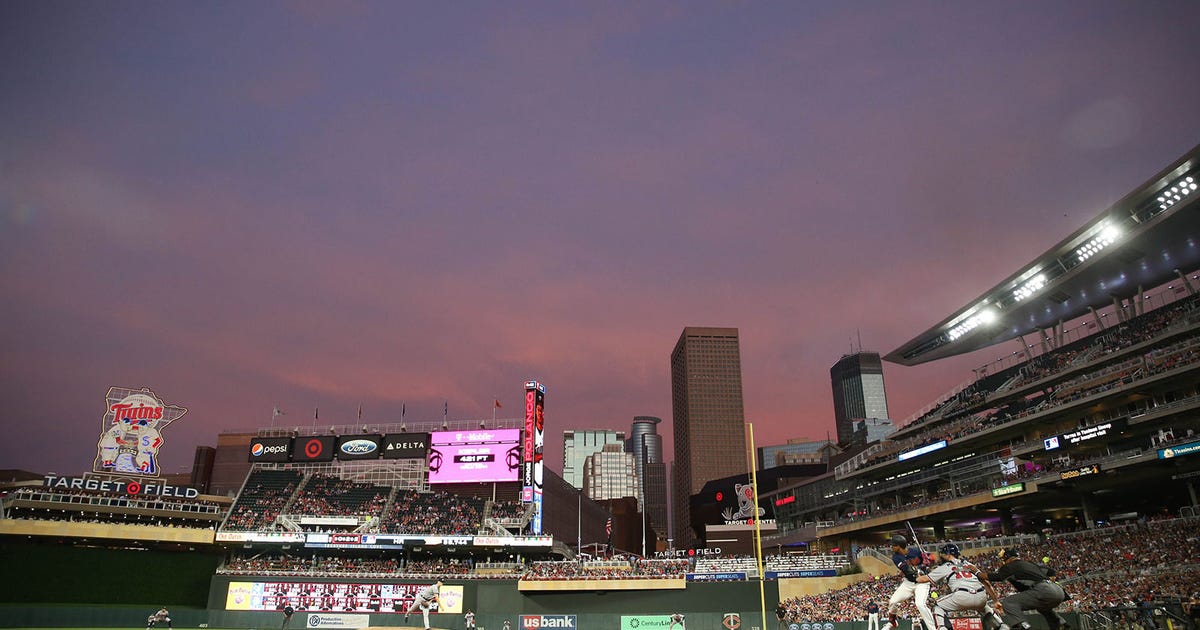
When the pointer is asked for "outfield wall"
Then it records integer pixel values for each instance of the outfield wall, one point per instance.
(705, 604)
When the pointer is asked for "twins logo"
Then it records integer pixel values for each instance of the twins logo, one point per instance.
(131, 431)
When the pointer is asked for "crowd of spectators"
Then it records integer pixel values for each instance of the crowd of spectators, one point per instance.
(507, 510)
(265, 493)
(1186, 352)
(1120, 337)
(1116, 566)
(607, 570)
(328, 495)
(439, 513)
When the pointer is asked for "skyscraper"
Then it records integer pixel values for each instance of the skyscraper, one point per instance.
(578, 445)
(709, 421)
(858, 392)
(646, 445)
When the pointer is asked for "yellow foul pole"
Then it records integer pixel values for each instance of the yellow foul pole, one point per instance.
(762, 596)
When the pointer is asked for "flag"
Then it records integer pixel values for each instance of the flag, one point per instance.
(608, 527)
(403, 408)
(360, 411)
(497, 404)
(276, 412)
(316, 413)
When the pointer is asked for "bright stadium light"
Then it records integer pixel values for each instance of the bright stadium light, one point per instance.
(1033, 285)
(1176, 192)
(985, 316)
(1107, 235)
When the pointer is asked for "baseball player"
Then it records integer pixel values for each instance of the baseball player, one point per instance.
(1035, 591)
(506, 626)
(909, 560)
(424, 600)
(159, 617)
(288, 611)
(469, 619)
(676, 618)
(872, 616)
(969, 590)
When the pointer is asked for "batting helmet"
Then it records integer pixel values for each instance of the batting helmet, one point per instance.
(898, 541)
(949, 549)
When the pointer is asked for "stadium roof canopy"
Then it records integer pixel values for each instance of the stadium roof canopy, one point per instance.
(1144, 240)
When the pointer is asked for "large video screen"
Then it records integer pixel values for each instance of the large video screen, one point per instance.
(470, 456)
(337, 597)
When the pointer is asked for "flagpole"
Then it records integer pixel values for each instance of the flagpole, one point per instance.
(762, 597)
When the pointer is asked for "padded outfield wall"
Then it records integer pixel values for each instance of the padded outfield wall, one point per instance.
(705, 604)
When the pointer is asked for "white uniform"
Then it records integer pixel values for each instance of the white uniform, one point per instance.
(967, 592)
(677, 618)
(470, 619)
(424, 600)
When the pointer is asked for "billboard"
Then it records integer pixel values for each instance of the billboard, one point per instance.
(274, 449)
(358, 446)
(405, 445)
(131, 431)
(313, 449)
(476, 455)
(336, 597)
(531, 455)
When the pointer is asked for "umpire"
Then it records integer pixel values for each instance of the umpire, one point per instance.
(1035, 591)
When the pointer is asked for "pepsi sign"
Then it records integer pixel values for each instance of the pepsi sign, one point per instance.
(359, 447)
(273, 449)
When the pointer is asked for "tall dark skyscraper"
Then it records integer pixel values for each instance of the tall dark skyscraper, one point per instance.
(646, 445)
(858, 392)
(709, 421)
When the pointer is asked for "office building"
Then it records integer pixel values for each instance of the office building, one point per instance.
(579, 445)
(646, 445)
(858, 392)
(709, 421)
(611, 474)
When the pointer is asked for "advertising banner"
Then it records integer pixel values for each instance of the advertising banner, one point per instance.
(534, 622)
(474, 456)
(801, 573)
(337, 620)
(359, 447)
(645, 622)
(1179, 451)
(716, 577)
(274, 449)
(313, 449)
(405, 445)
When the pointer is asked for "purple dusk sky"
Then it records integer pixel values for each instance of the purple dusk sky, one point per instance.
(243, 205)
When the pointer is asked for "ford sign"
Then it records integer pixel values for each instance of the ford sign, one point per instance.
(359, 447)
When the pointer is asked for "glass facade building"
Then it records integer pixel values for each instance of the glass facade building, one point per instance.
(858, 392)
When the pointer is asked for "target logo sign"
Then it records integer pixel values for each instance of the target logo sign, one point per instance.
(313, 449)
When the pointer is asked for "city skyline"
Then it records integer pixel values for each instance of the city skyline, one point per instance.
(404, 207)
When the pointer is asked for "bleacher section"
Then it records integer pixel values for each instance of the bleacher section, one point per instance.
(263, 496)
(1147, 346)
(441, 513)
(327, 495)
